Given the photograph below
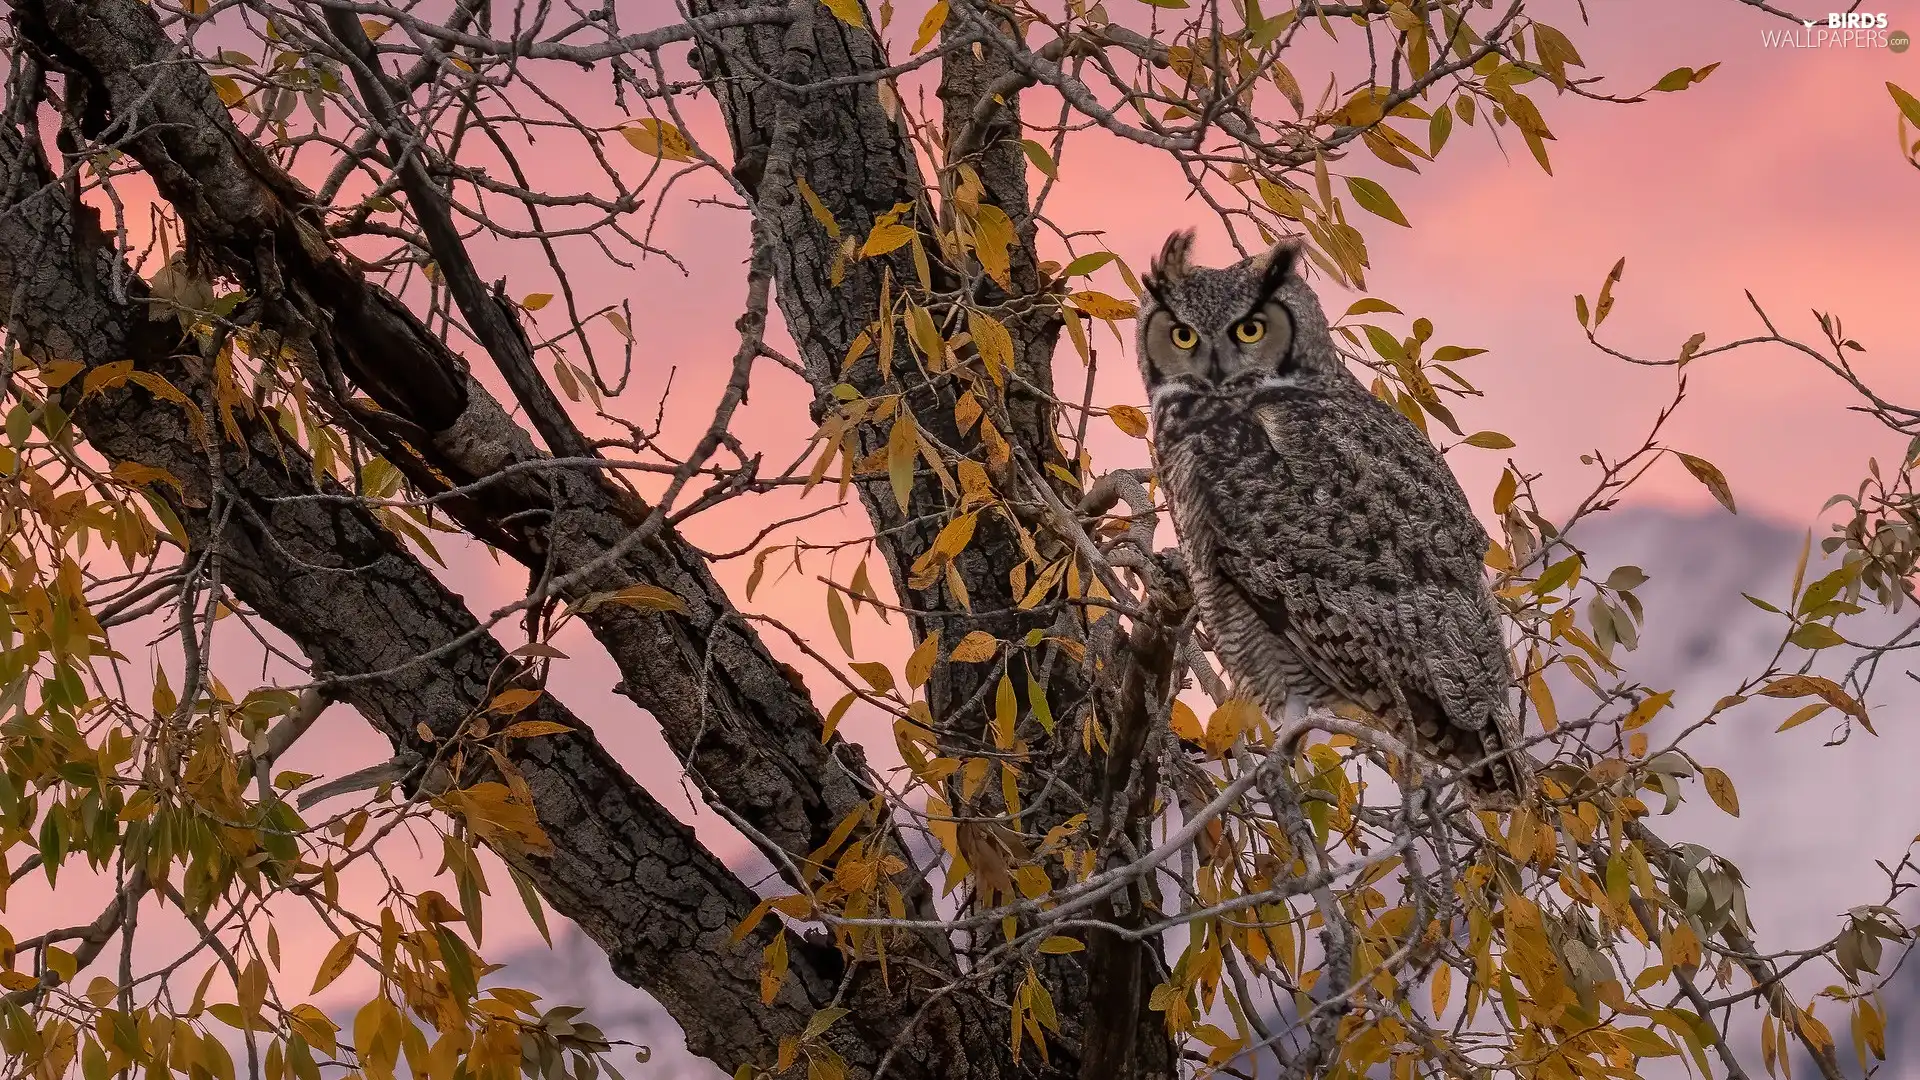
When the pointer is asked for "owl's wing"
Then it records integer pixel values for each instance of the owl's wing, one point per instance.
(1350, 536)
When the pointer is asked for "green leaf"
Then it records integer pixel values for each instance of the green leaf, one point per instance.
(1037, 699)
(1815, 636)
(1438, 130)
(1367, 305)
(821, 1021)
(1088, 263)
(1374, 199)
(531, 899)
(1385, 344)
(1041, 159)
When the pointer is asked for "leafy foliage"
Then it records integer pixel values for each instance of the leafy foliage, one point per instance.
(1076, 792)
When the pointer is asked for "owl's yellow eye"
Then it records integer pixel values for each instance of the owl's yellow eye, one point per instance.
(1250, 330)
(1184, 337)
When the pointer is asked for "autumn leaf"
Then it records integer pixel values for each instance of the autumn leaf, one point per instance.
(648, 598)
(1186, 723)
(993, 239)
(903, 450)
(336, 961)
(886, 237)
(847, 11)
(658, 139)
(930, 26)
(837, 616)
(876, 675)
(1720, 789)
(1707, 473)
(508, 702)
(994, 342)
(977, 647)
(1099, 305)
(1129, 419)
(920, 663)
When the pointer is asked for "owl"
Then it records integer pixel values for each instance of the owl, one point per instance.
(1333, 555)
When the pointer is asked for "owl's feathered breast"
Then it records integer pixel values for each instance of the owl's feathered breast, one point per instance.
(1340, 523)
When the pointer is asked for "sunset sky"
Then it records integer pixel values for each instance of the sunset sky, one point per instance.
(1780, 174)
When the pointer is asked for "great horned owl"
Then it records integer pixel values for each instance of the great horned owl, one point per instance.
(1332, 552)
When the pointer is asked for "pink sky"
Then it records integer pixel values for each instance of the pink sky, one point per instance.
(1779, 174)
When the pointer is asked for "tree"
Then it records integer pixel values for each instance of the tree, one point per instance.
(259, 407)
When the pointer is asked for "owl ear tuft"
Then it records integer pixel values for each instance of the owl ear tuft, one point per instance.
(1171, 264)
(1278, 264)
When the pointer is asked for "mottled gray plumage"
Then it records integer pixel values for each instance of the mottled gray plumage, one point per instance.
(1332, 551)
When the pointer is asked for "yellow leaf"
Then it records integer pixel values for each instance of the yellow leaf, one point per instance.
(1059, 946)
(977, 647)
(847, 11)
(885, 237)
(1099, 305)
(1803, 714)
(229, 91)
(649, 598)
(1129, 419)
(1186, 723)
(1442, 987)
(17, 980)
(314, 1026)
(819, 210)
(773, 968)
(1645, 711)
(1006, 710)
(1720, 789)
(1227, 722)
(536, 301)
(995, 344)
(101, 991)
(512, 701)
(660, 139)
(1791, 686)
(931, 25)
(336, 961)
(993, 237)
(876, 674)
(105, 377)
(925, 335)
(837, 616)
(527, 729)
(834, 716)
(1505, 491)
(1542, 699)
(920, 664)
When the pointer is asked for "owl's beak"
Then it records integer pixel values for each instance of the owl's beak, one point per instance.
(1213, 366)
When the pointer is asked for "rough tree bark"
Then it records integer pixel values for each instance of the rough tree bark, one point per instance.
(328, 576)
